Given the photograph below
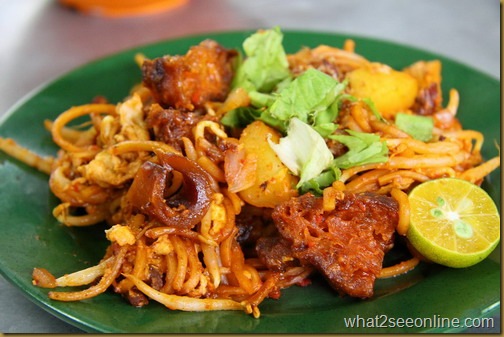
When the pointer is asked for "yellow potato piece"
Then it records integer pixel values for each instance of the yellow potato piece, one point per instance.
(391, 91)
(273, 182)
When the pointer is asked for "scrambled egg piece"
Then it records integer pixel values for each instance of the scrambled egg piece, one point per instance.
(217, 214)
(120, 234)
(163, 246)
(107, 169)
(132, 121)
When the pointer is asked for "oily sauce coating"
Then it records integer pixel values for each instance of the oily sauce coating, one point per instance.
(188, 82)
(346, 245)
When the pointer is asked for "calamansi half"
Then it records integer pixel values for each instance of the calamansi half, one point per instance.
(453, 222)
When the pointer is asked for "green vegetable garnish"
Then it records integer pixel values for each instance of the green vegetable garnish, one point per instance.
(266, 63)
(363, 148)
(304, 109)
(418, 127)
(312, 98)
(303, 151)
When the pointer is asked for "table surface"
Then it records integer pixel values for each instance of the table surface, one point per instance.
(38, 45)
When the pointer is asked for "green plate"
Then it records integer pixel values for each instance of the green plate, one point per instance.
(31, 237)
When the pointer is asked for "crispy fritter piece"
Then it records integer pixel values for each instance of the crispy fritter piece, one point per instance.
(188, 82)
(346, 245)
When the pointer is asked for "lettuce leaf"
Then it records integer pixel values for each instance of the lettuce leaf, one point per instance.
(323, 180)
(303, 151)
(312, 98)
(265, 64)
(363, 148)
(418, 127)
(240, 117)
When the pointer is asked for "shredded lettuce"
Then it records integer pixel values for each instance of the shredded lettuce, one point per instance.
(276, 97)
(266, 63)
(418, 127)
(363, 148)
(303, 151)
(313, 98)
(304, 109)
(323, 180)
(263, 72)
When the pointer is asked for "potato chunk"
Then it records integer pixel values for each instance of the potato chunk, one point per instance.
(273, 181)
(391, 91)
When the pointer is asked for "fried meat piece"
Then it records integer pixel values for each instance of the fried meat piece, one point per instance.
(170, 125)
(188, 82)
(275, 253)
(346, 245)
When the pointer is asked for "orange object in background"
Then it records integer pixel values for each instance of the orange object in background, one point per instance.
(121, 8)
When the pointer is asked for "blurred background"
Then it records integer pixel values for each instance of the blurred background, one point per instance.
(42, 40)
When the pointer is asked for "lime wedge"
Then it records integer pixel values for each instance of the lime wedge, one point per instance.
(453, 222)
